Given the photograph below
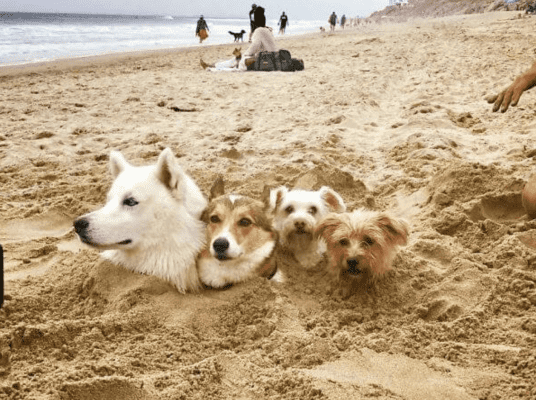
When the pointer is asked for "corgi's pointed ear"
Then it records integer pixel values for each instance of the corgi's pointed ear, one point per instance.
(118, 163)
(332, 199)
(396, 230)
(276, 197)
(217, 189)
(167, 169)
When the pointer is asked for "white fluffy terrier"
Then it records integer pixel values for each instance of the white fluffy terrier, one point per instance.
(296, 213)
(150, 223)
(361, 245)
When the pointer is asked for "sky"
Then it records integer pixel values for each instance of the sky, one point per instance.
(297, 9)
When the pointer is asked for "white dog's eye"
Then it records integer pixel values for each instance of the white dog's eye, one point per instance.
(313, 210)
(130, 202)
(244, 222)
(344, 242)
(289, 209)
(215, 219)
(368, 240)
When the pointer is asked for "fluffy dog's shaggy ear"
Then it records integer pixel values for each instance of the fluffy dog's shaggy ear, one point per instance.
(326, 226)
(117, 163)
(168, 171)
(395, 229)
(333, 200)
(217, 189)
(276, 197)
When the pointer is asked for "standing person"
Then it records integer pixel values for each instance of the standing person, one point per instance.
(282, 23)
(202, 29)
(343, 21)
(252, 20)
(332, 21)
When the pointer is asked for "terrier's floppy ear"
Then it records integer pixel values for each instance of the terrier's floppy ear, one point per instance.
(326, 226)
(168, 171)
(217, 189)
(276, 197)
(395, 229)
(333, 200)
(118, 163)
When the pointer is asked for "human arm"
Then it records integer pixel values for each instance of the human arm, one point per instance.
(511, 95)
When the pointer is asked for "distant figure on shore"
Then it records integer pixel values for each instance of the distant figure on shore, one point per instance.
(332, 21)
(202, 29)
(343, 21)
(511, 95)
(282, 23)
(252, 20)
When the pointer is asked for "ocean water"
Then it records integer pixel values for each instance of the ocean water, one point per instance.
(36, 37)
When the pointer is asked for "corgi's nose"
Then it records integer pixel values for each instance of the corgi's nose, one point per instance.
(80, 225)
(353, 264)
(220, 245)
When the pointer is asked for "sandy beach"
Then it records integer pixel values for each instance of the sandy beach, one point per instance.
(391, 116)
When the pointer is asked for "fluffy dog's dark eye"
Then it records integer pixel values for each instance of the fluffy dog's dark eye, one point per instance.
(368, 240)
(130, 202)
(244, 222)
(289, 209)
(215, 219)
(313, 210)
(344, 242)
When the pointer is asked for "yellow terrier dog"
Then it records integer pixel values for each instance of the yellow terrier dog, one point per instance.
(361, 245)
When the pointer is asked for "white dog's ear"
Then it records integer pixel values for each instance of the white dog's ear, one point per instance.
(168, 171)
(395, 229)
(217, 189)
(332, 199)
(118, 163)
(276, 197)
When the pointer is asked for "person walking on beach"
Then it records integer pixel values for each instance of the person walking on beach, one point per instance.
(343, 21)
(202, 29)
(332, 21)
(512, 94)
(252, 21)
(282, 23)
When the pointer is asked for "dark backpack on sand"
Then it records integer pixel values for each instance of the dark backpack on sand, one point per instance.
(277, 61)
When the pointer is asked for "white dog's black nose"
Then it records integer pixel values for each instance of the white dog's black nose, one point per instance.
(81, 225)
(353, 264)
(220, 245)
(300, 225)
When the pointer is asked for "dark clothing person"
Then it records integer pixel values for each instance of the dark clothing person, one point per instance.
(343, 21)
(282, 23)
(202, 29)
(252, 20)
(332, 21)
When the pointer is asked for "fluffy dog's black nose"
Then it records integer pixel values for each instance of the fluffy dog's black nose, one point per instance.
(80, 225)
(299, 224)
(220, 245)
(353, 263)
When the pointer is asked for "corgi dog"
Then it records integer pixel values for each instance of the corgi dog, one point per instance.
(151, 221)
(240, 239)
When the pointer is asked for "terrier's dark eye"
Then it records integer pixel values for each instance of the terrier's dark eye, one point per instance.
(344, 242)
(313, 210)
(130, 202)
(368, 240)
(289, 210)
(244, 222)
(215, 219)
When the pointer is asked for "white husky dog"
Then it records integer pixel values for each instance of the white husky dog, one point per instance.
(151, 221)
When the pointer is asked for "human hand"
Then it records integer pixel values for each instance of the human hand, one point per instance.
(512, 94)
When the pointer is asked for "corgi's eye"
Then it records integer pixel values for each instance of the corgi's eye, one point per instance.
(344, 242)
(130, 202)
(289, 210)
(313, 210)
(368, 240)
(244, 222)
(215, 219)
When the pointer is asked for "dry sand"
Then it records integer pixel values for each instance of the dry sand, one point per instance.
(391, 116)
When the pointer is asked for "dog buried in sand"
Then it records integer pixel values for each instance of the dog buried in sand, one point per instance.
(296, 213)
(151, 221)
(361, 245)
(241, 241)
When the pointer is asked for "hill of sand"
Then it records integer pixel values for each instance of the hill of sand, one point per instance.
(391, 116)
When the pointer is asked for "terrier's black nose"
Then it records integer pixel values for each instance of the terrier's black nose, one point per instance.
(220, 245)
(353, 263)
(80, 225)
